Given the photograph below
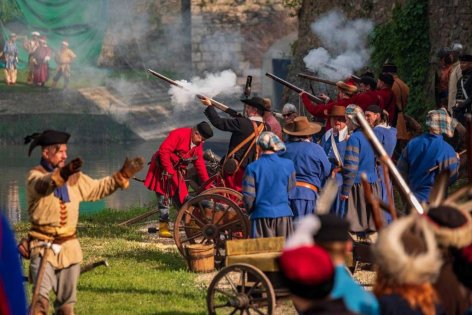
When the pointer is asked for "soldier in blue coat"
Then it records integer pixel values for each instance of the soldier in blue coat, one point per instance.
(266, 184)
(427, 151)
(311, 165)
(359, 158)
(334, 143)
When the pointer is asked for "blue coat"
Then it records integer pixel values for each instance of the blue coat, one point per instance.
(421, 154)
(388, 138)
(359, 158)
(266, 184)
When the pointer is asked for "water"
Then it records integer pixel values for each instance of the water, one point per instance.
(99, 161)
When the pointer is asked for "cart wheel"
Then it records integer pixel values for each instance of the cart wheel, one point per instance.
(210, 219)
(242, 289)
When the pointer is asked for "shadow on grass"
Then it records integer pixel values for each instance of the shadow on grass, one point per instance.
(164, 260)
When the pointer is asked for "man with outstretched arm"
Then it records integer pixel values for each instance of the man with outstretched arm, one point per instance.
(54, 191)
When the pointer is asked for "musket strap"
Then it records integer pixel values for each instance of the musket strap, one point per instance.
(252, 136)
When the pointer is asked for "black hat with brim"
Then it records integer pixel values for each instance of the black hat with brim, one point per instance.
(47, 137)
(256, 102)
(205, 130)
(333, 229)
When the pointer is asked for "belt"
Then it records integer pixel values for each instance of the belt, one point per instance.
(307, 185)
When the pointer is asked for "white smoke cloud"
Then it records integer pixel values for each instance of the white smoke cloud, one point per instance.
(222, 83)
(344, 46)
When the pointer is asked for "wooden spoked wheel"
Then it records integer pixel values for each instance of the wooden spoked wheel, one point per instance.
(210, 219)
(232, 194)
(240, 289)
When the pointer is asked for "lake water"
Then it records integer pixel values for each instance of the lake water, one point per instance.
(99, 161)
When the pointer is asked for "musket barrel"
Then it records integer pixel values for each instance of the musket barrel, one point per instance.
(391, 166)
(313, 78)
(293, 87)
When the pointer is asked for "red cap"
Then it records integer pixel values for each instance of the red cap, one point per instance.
(307, 265)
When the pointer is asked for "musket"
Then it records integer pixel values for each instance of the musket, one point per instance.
(313, 78)
(217, 104)
(391, 166)
(293, 87)
(373, 201)
(432, 169)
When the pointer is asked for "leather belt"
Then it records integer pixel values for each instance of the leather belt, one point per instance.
(307, 185)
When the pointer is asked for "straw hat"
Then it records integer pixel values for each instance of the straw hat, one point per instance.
(301, 127)
(336, 111)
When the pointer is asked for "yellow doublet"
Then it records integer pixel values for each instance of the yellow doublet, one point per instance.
(53, 219)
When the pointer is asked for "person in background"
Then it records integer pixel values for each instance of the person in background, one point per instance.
(270, 119)
(168, 167)
(311, 165)
(54, 190)
(30, 46)
(307, 270)
(333, 236)
(41, 57)
(378, 121)
(63, 60)
(387, 97)
(334, 143)
(12, 292)
(359, 158)
(289, 112)
(408, 263)
(266, 186)
(10, 51)
(427, 151)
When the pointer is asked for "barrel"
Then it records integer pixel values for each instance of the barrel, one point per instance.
(200, 257)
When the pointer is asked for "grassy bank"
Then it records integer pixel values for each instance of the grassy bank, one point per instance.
(145, 276)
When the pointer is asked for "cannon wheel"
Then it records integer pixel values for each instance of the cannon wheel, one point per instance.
(232, 194)
(210, 219)
(241, 289)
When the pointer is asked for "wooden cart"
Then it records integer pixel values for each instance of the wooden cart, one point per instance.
(250, 282)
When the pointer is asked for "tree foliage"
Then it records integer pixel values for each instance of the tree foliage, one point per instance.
(405, 41)
(8, 11)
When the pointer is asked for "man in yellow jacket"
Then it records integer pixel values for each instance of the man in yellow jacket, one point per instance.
(54, 192)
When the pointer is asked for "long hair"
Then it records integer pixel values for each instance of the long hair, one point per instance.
(419, 296)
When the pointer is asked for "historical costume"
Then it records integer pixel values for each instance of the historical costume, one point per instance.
(54, 192)
(41, 57)
(10, 51)
(63, 60)
(266, 185)
(244, 132)
(168, 167)
(270, 120)
(311, 165)
(334, 143)
(30, 46)
(427, 151)
(359, 158)
(387, 97)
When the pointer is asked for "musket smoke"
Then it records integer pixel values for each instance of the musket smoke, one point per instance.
(222, 83)
(344, 45)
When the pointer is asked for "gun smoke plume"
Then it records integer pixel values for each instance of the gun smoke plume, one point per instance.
(344, 46)
(222, 83)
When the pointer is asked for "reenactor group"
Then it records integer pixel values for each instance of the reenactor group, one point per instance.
(424, 261)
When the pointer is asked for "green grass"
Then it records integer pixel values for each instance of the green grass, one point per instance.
(144, 277)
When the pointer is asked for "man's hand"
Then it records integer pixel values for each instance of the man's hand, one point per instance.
(131, 167)
(71, 168)
(205, 101)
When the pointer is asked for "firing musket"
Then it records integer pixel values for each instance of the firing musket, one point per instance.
(369, 133)
(217, 104)
(295, 88)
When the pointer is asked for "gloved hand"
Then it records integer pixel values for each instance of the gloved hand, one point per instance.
(71, 168)
(131, 167)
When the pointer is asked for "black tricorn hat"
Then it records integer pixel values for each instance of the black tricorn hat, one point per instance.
(256, 102)
(204, 129)
(47, 137)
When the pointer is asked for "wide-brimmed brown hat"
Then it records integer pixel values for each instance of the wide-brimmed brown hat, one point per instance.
(301, 127)
(335, 111)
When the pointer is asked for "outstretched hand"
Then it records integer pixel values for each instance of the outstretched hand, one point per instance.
(205, 101)
(132, 166)
(71, 168)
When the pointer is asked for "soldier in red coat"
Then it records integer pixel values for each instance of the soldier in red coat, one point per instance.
(166, 174)
(387, 98)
